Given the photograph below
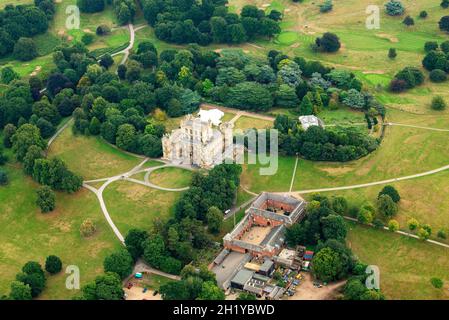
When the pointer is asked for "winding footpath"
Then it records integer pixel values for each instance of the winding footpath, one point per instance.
(132, 36)
(127, 177)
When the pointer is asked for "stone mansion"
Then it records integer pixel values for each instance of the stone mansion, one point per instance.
(199, 142)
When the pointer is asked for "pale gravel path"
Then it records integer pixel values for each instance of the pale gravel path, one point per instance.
(407, 234)
(126, 51)
(57, 133)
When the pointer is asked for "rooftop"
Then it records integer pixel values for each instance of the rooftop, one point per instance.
(308, 121)
(214, 115)
(227, 266)
(242, 277)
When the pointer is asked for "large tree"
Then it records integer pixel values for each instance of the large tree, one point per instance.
(53, 264)
(334, 227)
(105, 287)
(20, 291)
(120, 262)
(327, 265)
(25, 137)
(25, 49)
(46, 199)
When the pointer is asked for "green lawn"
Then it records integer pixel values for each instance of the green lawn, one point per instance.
(132, 205)
(342, 115)
(154, 281)
(171, 177)
(91, 157)
(424, 199)
(3, 3)
(404, 151)
(406, 265)
(31, 235)
(245, 122)
(253, 180)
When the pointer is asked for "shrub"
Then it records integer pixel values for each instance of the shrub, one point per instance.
(20, 291)
(377, 223)
(46, 199)
(326, 6)
(386, 205)
(444, 4)
(87, 38)
(87, 228)
(408, 21)
(103, 30)
(435, 60)
(437, 75)
(438, 103)
(430, 45)
(393, 225)
(437, 283)
(394, 8)
(441, 234)
(397, 85)
(444, 23)
(412, 76)
(3, 158)
(329, 42)
(3, 178)
(445, 46)
(53, 264)
(423, 234)
(392, 192)
(392, 53)
(413, 224)
(7, 74)
(423, 14)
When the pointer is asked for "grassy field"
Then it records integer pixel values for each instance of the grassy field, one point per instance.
(280, 181)
(31, 235)
(245, 122)
(406, 265)
(171, 177)
(135, 206)
(423, 199)
(91, 157)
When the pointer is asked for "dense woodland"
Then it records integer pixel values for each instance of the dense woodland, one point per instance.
(19, 23)
(188, 21)
(338, 144)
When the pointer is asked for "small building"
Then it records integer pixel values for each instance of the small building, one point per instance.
(308, 255)
(311, 120)
(276, 293)
(241, 279)
(267, 268)
(288, 258)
